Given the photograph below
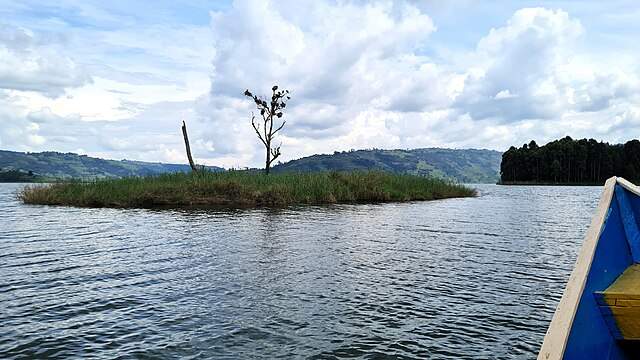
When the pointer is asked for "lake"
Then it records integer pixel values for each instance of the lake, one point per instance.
(472, 278)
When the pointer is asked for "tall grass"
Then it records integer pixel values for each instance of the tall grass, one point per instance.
(243, 189)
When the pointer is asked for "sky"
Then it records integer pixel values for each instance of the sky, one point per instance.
(115, 79)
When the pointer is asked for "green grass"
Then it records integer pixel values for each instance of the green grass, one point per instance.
(243, 189)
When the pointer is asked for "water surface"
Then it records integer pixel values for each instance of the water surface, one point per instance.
(468, 278)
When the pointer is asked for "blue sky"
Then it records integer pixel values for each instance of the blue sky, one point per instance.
(115, 78)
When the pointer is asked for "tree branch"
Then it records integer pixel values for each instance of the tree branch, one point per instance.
(275, 153)
(255, 127)
(280, 127)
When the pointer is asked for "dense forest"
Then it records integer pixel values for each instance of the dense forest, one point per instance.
(569, 161)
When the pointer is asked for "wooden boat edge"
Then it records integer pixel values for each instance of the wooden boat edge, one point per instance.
(628, 185)
(555, 340)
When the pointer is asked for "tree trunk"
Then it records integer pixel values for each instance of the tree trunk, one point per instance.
(194, 168)
(268, 161)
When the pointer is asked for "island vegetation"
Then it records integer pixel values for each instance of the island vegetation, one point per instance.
(243, 189)
(569, 161)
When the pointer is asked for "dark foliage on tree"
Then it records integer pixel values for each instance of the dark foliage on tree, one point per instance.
(270, 112)
(571, 161)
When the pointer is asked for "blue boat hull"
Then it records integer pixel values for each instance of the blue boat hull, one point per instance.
(579, 330)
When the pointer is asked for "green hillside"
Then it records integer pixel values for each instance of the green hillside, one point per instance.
(63, 166)
(466, 165)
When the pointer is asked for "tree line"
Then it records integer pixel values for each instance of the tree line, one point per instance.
(569, 161)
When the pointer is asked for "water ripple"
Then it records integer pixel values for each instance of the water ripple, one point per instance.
(463, 278)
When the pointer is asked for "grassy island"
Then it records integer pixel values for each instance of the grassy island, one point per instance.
(243, 189)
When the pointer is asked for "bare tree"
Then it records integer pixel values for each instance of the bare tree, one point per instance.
(270, 112)
(194, 168)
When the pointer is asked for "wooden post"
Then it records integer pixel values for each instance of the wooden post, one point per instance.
(194, 168)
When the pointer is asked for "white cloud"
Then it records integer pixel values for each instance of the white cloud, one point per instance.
(504, 94)
(360, 78)
(28, 63)
(338, 81)
(522, 58)
(362, 75)
(108, 109)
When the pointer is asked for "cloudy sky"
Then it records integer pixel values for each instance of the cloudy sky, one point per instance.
(114, 79)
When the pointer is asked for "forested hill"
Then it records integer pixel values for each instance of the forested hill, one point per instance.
(568, 161)
(467, 165)
(55, 165)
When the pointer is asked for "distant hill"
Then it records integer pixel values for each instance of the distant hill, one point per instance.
(466, 165)
(68, 165)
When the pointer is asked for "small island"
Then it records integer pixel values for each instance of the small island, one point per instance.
(206, 188)
(244, 189)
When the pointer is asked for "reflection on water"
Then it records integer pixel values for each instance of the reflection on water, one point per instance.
(465, 278)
